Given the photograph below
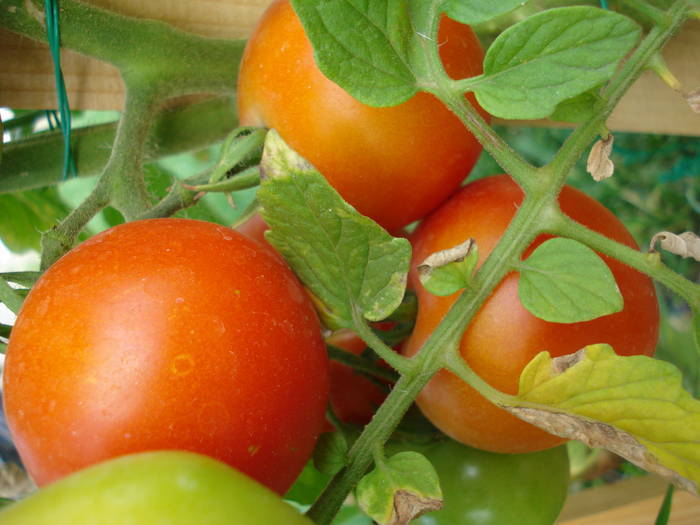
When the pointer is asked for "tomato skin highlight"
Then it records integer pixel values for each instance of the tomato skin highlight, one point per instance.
(154, 488)
(503, 337)
(167, 334)
(392, 164)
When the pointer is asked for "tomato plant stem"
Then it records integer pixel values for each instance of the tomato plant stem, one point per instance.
(523, 229)
(509, 159)
(537, 213)
(398, 362)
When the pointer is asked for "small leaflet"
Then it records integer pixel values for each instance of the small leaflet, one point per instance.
(564, 281)
(448, 271)
(362, 46)
(400, 489)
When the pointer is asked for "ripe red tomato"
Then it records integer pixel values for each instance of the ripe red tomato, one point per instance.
(393, 164)
(503, 337)
(167, 334)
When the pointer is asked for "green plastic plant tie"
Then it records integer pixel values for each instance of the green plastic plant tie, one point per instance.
(54, 37)
(604, 4)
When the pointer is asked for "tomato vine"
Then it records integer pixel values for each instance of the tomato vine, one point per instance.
(155, 74)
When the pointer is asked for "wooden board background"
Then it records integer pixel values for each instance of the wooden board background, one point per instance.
(635, 501)
(26, 75)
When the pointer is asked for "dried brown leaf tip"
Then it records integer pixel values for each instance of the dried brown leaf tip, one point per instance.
(596, 434)
(693, 99)
(599, 164)
(409, 506)
(444, 257)
(686, 244)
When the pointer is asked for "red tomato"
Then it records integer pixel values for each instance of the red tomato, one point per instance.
(167, 334)
(503, 337)
(393, 164)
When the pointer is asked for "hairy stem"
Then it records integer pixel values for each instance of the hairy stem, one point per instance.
(395, 360)
(181, 62)
(61, 238)
(124, 170)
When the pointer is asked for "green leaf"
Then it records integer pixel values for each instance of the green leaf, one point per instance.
(363, 46)
(479, 11)
(26, 279)
(399, 489)
(451, 270)
(307, 486)
(551, 57)
(349, 263)
(634, 406)
(564, 281)
(25, 215)
(10, 297)
(330, 453)
(576, 110)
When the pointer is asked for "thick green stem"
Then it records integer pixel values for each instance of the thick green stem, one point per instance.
(398, 362)
(648, 11)
(506, 157)
(452, 95)
(360, 364)
(35, 162)
(121, 184)
(124, 171)
(539, 212)
(181, 62)
(60, 239)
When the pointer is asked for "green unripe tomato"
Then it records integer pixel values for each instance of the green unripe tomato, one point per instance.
(486, 488)
(154, 488)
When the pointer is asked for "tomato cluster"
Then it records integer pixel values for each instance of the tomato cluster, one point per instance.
(503, 337)
(180, 334)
